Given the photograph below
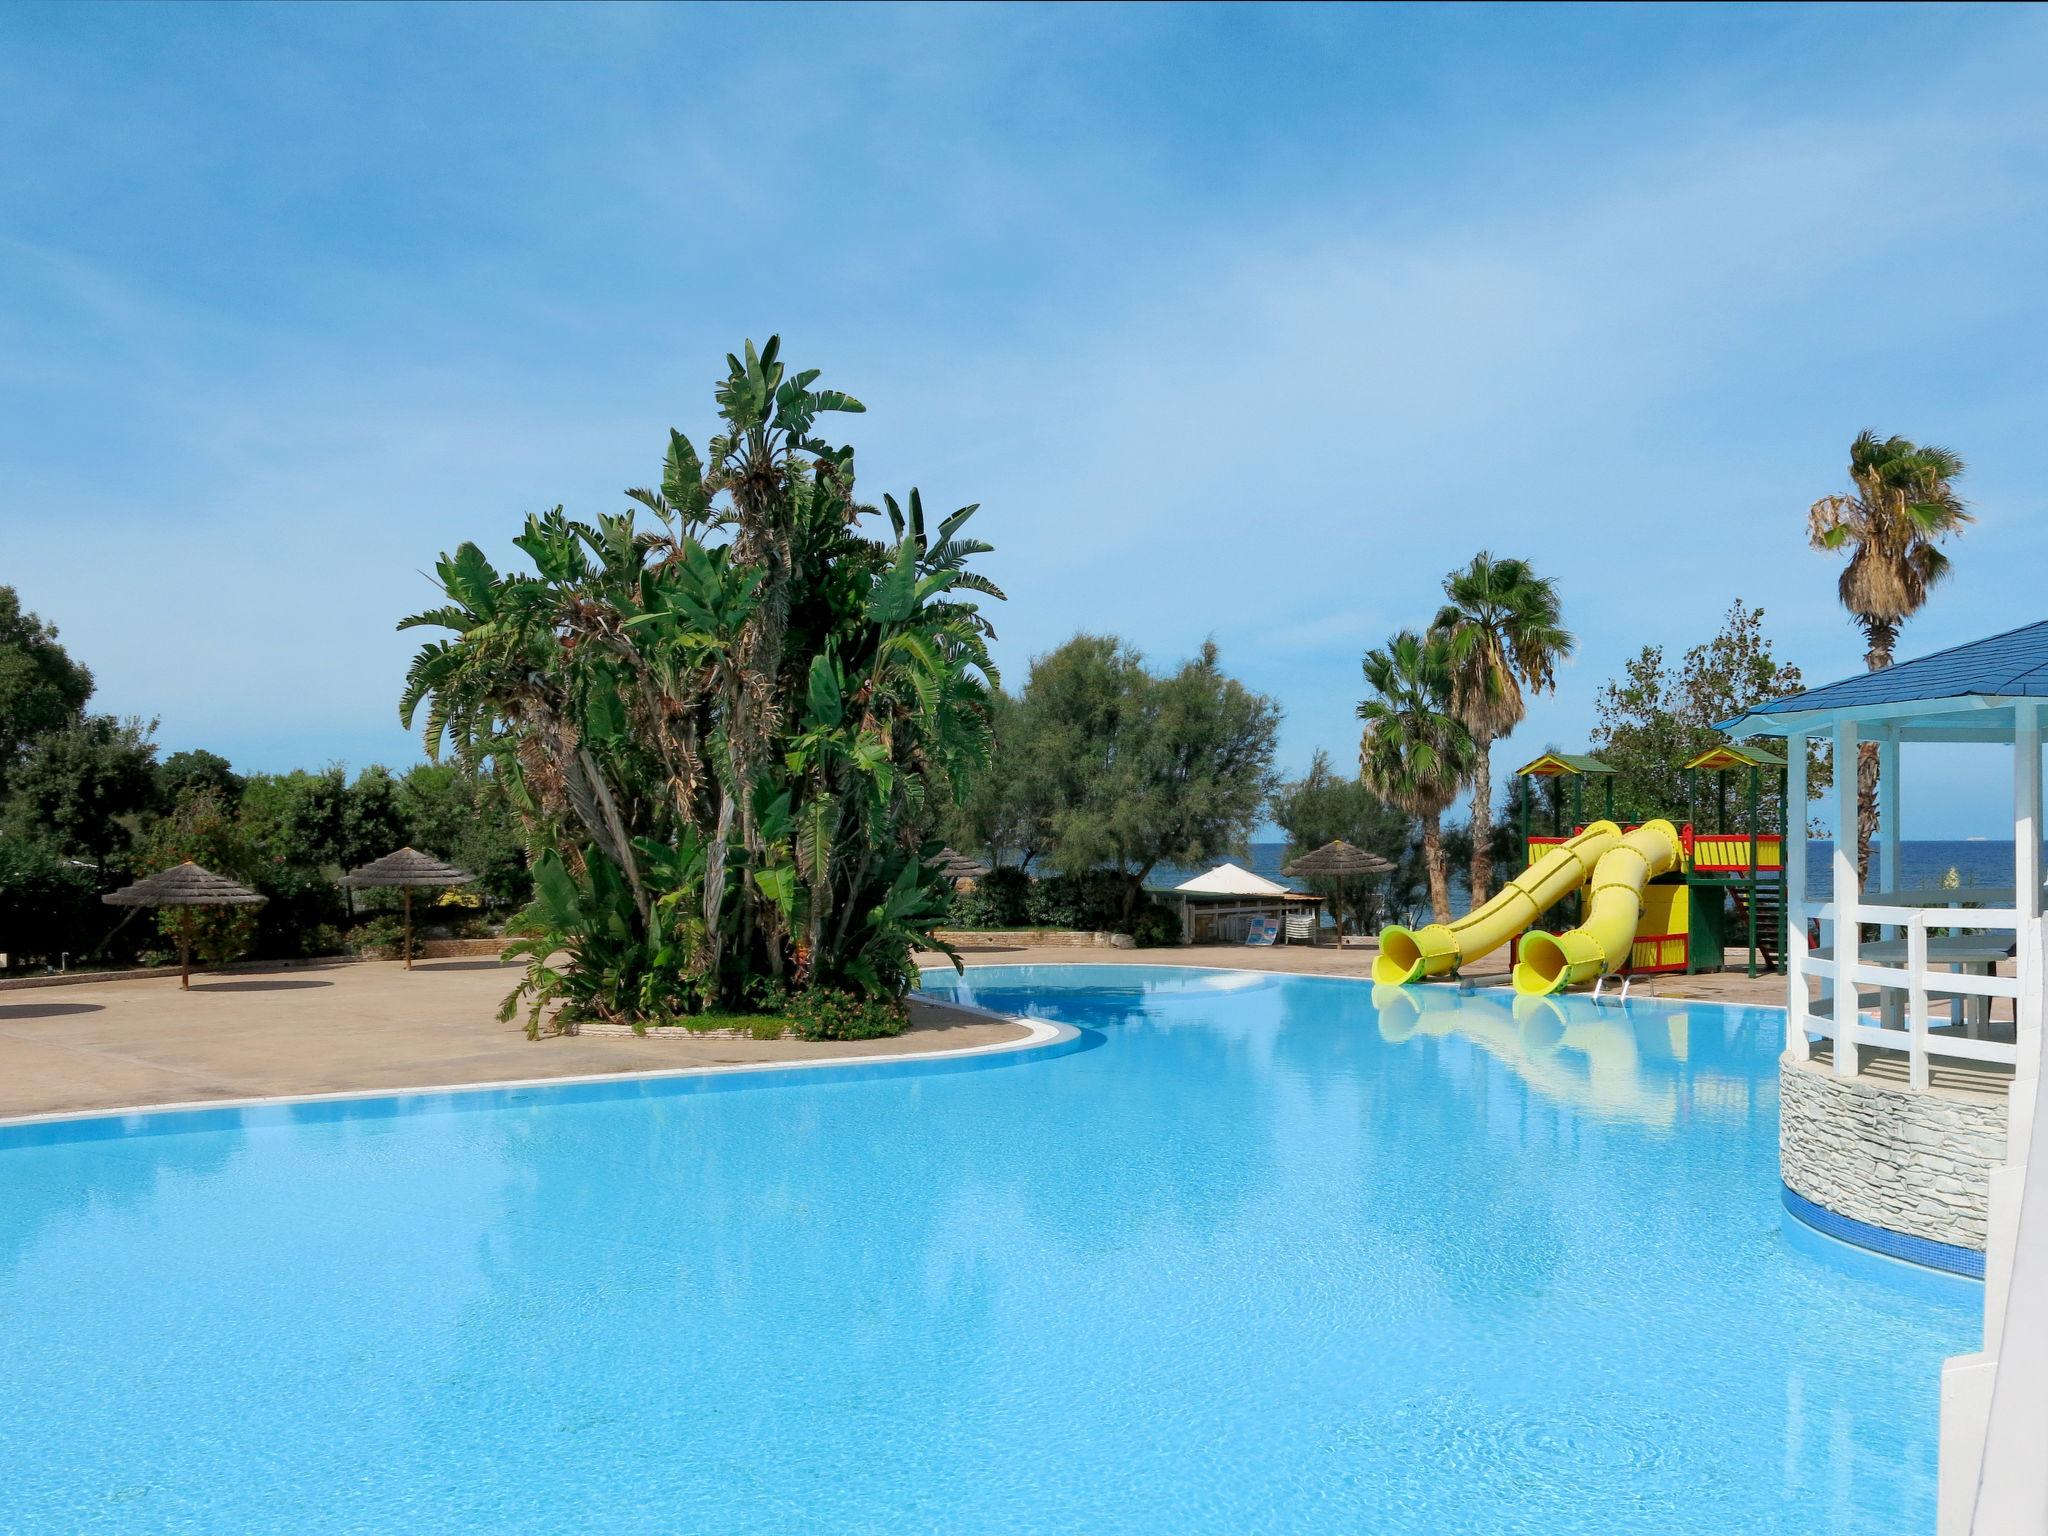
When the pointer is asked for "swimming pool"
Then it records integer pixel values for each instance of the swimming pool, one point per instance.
(1246, 1254)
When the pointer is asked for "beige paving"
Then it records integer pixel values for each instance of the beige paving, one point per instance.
(342, 1028)
(1719, 987)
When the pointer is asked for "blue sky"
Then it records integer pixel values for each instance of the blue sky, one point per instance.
(1238, 322)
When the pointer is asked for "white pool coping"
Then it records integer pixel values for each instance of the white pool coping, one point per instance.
(1038, 1033)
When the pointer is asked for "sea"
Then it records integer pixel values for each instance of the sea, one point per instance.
(1923, 862)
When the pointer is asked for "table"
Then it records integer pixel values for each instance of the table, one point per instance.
(1975, 954)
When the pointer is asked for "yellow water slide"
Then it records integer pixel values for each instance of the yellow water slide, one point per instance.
(1410, 954)
(1601, 945)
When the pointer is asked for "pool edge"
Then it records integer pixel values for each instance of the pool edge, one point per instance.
(1042, 1038)
(1923, 1252)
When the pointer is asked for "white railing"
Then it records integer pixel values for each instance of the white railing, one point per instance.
(1906, 991)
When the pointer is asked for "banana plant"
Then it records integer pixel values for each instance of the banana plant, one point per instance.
(729, 714)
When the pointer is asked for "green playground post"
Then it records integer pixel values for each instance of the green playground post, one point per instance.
(1755, 797)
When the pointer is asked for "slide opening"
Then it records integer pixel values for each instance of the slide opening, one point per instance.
(1400, 958)
(1541, 964)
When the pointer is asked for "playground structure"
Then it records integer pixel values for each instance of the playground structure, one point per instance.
(1653, 897)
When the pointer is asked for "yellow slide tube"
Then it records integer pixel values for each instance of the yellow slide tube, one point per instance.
(1600, 946)
(1410, 954)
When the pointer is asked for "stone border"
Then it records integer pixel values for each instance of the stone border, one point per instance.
(143, 1119)
(1905, 1172)
(1007, 938)
(661, 1032)
(683, 1032)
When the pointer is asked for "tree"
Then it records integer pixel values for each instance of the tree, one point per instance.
(1143, 770)
(1205, 765)
(467, 819)
(728, 736)
(1081, 713)
(1009, 807)
(1501, 631)
(1323, 806)
(82, 786)
(42, 690)
(202, 828)
(49, 903)
(196, 769)
(373, 820)
(1901, 504)
(1504, 842)
(316, 819)
(293, 819)
(1652, 719)
(1415, 752)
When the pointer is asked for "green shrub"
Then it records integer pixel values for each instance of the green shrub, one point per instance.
(1090, 901)
(322, 939)
(49, 905)
(303, 915)
(1156, 925)
(1009, 898)
(1095, 901)
(823, 1013)
(755, 1026)
(998, 900)
(381, 938)
(202, 828)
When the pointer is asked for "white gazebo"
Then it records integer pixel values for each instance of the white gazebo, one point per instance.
(1219, 905)
(1907, 1104)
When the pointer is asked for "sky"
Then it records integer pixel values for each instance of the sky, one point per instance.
(1243, 323)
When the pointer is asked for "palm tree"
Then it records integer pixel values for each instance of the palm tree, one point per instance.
(1415, 752)
(1901, 506)
(1501, 632)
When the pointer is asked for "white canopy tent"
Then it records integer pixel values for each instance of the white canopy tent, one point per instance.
(1219, 905)
(1229, 879)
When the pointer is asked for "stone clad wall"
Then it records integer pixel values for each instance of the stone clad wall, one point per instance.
(449, 949)
(1917, 1163)
(1006, 938)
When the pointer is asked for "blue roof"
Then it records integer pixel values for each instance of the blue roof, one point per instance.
(2014, 664)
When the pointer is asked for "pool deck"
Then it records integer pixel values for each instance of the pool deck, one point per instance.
(370, 1026)
(348, 1028)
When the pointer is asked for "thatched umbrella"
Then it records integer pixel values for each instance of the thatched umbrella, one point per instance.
(407, 870)
(184, 885)
(958, 866)
(1337, 860)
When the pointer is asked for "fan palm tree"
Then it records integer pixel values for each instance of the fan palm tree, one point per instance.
(1901, 505)
(1501, 633)
(1415, 752)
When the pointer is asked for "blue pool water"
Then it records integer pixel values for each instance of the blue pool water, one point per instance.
(1246, 1254)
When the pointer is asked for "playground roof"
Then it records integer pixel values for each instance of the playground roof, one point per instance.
(1552, 765)
(1736, 754)
(1968, 680)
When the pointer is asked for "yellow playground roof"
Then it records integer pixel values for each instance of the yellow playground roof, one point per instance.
(1553, 765)
(1741, 754)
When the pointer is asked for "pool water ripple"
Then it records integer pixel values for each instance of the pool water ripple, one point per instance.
(1252, 1253)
